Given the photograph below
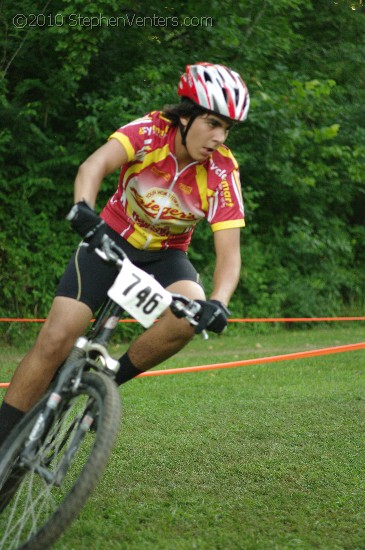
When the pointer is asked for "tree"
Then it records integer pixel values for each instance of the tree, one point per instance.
(76, 72)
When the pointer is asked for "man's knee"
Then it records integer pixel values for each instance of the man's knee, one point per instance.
(53, 339)
(181, 329)
(62, 328)
(189, 289)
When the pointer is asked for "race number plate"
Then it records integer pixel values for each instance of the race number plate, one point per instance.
(139, 294)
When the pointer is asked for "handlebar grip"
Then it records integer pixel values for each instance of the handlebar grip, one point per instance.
(183, 307)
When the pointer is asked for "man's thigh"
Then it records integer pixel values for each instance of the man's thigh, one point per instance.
(87, 278)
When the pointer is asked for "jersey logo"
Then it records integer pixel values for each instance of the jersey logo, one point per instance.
(226, 193)
(187, 189)
(218, 171)
(164, 175)
(149, 130)
(159, 206)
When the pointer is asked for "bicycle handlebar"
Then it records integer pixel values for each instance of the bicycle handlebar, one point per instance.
(180, 306)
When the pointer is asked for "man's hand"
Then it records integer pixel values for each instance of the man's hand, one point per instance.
(212, 316)
(87, 224)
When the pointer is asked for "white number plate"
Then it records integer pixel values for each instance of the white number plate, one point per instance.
(139, 294)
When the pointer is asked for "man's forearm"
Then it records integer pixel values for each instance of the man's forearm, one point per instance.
(225, 280)
(87, 185)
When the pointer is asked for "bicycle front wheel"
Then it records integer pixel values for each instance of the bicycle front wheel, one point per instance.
(39, 498)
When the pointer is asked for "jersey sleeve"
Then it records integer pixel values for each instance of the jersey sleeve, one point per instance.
(226, 209)
(133, 136)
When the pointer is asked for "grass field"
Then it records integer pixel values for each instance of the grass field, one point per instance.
(259, 457)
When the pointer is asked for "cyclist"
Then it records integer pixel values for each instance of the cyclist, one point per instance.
(174, 171)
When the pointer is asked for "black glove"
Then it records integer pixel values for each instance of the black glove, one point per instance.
(87, 224)
(212, 316)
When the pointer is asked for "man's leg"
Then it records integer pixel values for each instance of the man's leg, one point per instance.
(165, 338)
(67, 320)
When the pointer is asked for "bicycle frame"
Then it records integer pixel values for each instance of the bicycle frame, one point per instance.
(90, 351)
(76, 403)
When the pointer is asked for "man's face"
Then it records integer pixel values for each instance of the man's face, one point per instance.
(205, 135)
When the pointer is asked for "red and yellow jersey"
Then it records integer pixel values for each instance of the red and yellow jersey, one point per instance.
(156, 206)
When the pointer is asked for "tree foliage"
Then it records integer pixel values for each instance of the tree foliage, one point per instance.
(76, 71)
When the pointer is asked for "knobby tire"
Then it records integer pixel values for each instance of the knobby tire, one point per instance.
(34, 511)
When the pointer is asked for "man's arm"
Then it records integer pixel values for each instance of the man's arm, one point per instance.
(228, 264)
(105, 160)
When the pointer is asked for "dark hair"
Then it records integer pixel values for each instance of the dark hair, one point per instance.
(186, 108)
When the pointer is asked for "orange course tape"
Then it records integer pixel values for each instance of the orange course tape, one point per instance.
(247, 320)
(247, 362)
(259, 360)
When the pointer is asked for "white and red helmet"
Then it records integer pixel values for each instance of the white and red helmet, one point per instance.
(217, 89)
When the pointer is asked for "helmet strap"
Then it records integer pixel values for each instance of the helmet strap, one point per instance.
(184, 129)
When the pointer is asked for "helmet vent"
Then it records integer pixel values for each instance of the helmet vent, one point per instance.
(207, 77)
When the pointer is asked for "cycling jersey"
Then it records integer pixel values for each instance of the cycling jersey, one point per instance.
(156, 206)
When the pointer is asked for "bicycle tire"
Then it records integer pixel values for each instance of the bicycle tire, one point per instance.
(35, 511)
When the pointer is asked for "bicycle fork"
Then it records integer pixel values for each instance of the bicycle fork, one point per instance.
(56, 477)
(84, 352)
(72, 369)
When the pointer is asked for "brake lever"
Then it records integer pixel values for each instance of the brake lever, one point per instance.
(110, 252)
(188, 309)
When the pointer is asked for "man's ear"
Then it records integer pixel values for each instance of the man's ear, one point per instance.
(184, 120)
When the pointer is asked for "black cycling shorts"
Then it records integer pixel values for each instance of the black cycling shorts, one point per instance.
(88, 278)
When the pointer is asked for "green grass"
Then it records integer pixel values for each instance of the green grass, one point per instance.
(259, 457)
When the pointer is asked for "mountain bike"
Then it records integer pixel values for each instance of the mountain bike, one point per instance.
(54, 458)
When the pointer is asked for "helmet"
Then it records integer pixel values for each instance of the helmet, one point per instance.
(216, 88)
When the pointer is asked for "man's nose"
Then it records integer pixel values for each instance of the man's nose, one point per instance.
(220, 135)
